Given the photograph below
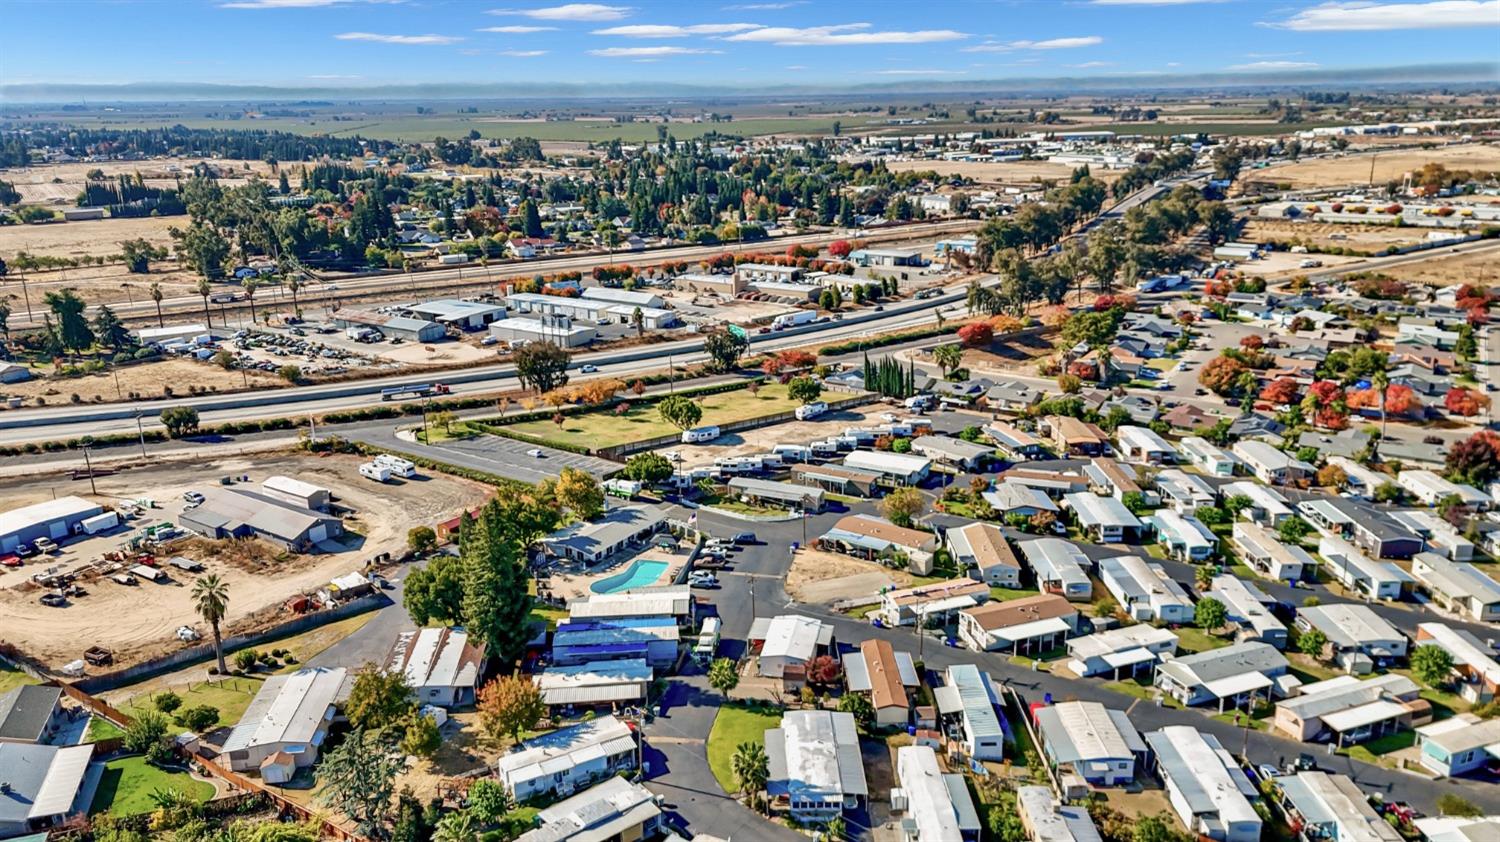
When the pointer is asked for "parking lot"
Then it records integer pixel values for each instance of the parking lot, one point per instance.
(268, 349)
(496, 455)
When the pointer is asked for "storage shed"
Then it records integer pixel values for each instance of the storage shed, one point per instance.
(303, 494)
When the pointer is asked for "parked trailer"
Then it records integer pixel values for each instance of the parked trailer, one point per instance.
(100, 523)
(398, 466)
(416, 391)
(796, 452)
(810, 411)
(700, 434)
(786, 320)
(379, 473)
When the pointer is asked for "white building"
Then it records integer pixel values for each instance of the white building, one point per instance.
(1267, 555)
(290, 714)
(815, 764)
(1431, 488)
(1207, 457)
(1145, 591)
(1360, 481)
(569, 759)
(1269, 465)
(596, 683)
(938, 805)
(1185, 493)
(1142, 444)
(1230, 676)
(1104, 519)
(1357, 636)
(1248, 608)
(968, 698)
(1330, 806)
(790, 642)
(1048, 820)
(1440, 535)
(1267, 505)
(1205, 786)
(1475, 670)
(1131, 648)
(981, 548)
(895, 468)
(1357, 571)
(440, 664)
(611, 810)
(1184, 537)
(1096, 743)
(297, 492)
(1458, 587)
(1060, 567)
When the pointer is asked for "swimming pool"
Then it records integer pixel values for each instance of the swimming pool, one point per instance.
(640, 574)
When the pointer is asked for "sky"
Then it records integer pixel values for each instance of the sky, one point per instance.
(358, 43)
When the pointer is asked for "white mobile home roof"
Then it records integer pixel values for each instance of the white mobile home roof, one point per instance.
(1262, 541)
(1465, 648)
(1200, 449)
(595, 683)
(1246, 604)
(1325, 800)
(436, 657)
(1457, 579)
(1116, 641)
(1088, 732)
(1056, 560)
(1187, 531)
(976, 699)
(1262, 497)
(882, 462)
(564, 749)
(1340, 554)
(1143, 439)
(953, 448)
(795, 636)
(1139, 580)
(932, 803)
(1054, 822)
(669, 601)
(1348, 625)
(1208, 779)
(1264, 455)
(1093, 510)
(288, 709)
(1430, 484)
(818, 752)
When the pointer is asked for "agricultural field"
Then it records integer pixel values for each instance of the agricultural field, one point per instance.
(1006, 172)
(145, 379)
(87, 238)
(1317, 236)
(604, 428)
(1388, 166)
(57, 185)
(1479, 266)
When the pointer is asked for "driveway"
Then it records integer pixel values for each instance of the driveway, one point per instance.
(496, 455)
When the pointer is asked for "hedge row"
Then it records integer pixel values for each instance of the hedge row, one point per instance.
(883, 341)
(651, 400)
(56, 446)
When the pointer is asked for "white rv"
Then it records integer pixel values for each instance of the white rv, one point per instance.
(375, 471)
(700, 434)
(811, 410)
(397, 466)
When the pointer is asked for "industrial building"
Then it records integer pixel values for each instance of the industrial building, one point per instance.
(52, 519)
(297, 492)
(233, 513)
(464, 315)
(589, 309)
(559, 330)
(393, 327)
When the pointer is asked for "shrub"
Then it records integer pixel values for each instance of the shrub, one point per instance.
(167, 701)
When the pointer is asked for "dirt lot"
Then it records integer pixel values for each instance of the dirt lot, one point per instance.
(762, 439)
(1355, 169)
(142, 618)
(92, 237)
(111, 284)
(60, 184)
(147, 380)
(1372, 239)
(1482, 266)
(1008, 172)
(824, 577)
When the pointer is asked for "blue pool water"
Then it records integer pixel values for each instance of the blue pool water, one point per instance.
(640, 574)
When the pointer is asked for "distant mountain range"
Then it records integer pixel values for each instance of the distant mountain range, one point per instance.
(1485, 74)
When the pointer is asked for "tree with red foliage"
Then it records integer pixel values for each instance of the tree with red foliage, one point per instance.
(1221, 374)
(1283, 391)
(1465, 402)
(1326, 404)
(977, 334)
(1218, 289)
(1326, 392)
(1363, 399)
(1478, 316)
(840, 248)
(1252, 343)
(824, 670)
(1103, 302)
(1475, 460)
(1400, 400)
(1186, 318)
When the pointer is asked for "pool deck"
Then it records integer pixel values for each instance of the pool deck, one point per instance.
(569, 586)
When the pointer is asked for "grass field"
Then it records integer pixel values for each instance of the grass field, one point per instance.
(230, 695)
(606, 429)
(735, 725)
(126, 787)
(11, 678)
(102, 729)
(1197, 640)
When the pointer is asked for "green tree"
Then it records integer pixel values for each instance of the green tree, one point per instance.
(531, 219)
(751, 768)
(211, 601)
(724, 350)
(578, 492)
(948, 357)
(804, 390)
(542, 366)
(648, 467)
(1293, 530)
(422, 738)
(497, 599)
(1453, 804)
(509, 705)
(435, 593)
(1432, 664)
(166, 701)
(358, 779)
(156, 296)
(147, 730)
(202, 248)
(378, 699)
(858, 705)
(680, 411)
(1210, 614)
(723, 676)
(251, 286)
(489, 800)
(1154, 829)
(73, 330)
(902, 506)
(180, 421)
(204, 289)
(421, 539)
(290, 373)
(200, 718)
(638, 321)
(110, 330)
(1311, 642)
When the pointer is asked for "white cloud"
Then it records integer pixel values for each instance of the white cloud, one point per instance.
(1088, 64)
(328, 76)
(1049, 44)
(841, 35)
(517, 30)
(1148, 2)
(648, 52)
(523, 53)
(1275, 65)
(294, 4)
(920, 72)
(645, 30)
(418, 40)
(796, 67)
(570, 11)
(1370, 17)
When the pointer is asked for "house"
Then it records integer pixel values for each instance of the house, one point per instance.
(1104, 519)
(1073, 437)
(1256, 425)
(1014, 498)
(867, 536)
(1030, 625)
(892, 468)
(1185, 493)
(1456, 829)
(568, 760)
(1060, 567)
(1233, 675)
(1012, 396)
(786, 495)
(1356, 634)
(953, 451)
(1331, 806)
(1409, 451)
(1370, 528)
(1440, 536)
(1358, 572)
(1475, 670)
(1249, 608)
(1458, 745)
(45, 786)
(815, 765)
(1096, 743)
(1458, 587)
(1013, 443)
(885, 675)
(1185, 538)
(232, 513)
(1211, 460)
(1145, 591)
(53, 519)
(1251, 305)
(966, 702)
(1431, 488)
(595, 684)
(1109, 478)
(1127, 647)
(1359, 481)
(1346, 711)
(442, 666)
(936, 600)
(1269, 465)
(981, 548)
(1204, 784)
(655, 639)
(1045, 819)
(675, 601)
(1267, 506)
(1142, 411)
(618, 529)
(1142, 444)
(1348, 443)
(1054, 483)
(788, 643)
(31, 713)
(290, 713)
(1424, 331)
(838, 480)
(938, 805)
(613, 809)
(1266, 554)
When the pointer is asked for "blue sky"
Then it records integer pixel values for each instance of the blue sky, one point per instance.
(373, 42)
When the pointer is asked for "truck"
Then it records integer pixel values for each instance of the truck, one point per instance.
(811, 410)
(414, 391)
(398, 466)
(623, 488)
(786, 320)
(101, 522)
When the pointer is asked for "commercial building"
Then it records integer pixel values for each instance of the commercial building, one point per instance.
(1330, 806)
(1145, 591)
(1128, 648)
(966, 702)
(787, 643)
(981, 548)
(1142, 444)
(596, 684)
(1269, 465)
(1369, 528)
(587, 309)
(568, 760)
(233, 513)
(867, 536)
(815, 764)
(169, 334)
(953, 451)
(885, 675)
(1358, 638)
(1354, 570)
(45, 786)
(290, 715)
(1206, 457)
(301, 494)
(441, 665)
(626, 297)
(654, 639)
(1060, 567)
(464, 315)
(1458, 587)
(559, 330)
(937, 805)
(1231, 676)
(392, 327)
(1104, 519)
(51, 519)
(1265, 553)
(1475, 670)
(893, 468)
(1046, 819)
(1026, 626)
(1184, 537)
(1345, 710)
(615, 809)
(887, 258)
(727, 286)
(1204, 784)
(803, 497)
(934, 601)
(618, 529)
(1091, 741)
(752, 272)
(31, 713)
(1459, 744)
(1249, 608)
(838, 480)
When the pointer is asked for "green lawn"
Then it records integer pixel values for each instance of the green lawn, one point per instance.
(1000, 594)
(127, 784)
(230, 695)
(11, 678)
(550, 616)
(1373, 750)
(102, 729)
(1444, 704)
(1197, 640)
(606, 429)
(1141, 689)
(733, 726)
(1255, 724)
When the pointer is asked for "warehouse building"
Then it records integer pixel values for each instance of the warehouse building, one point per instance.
(628, 297)
(297, 492)
(589, 309)
(559, 330)
(393, 327)
(232, 513)
(464, 315)
(53, 519)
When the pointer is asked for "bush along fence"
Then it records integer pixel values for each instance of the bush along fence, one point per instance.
(619, 452)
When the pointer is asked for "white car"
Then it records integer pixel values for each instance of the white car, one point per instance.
(535, 452)
(193, 497)
(588, 368)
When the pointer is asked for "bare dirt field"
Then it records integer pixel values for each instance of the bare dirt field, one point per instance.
(1371, 239)
(138, 622)
(147, 380)
(60, 184)
(1355, 169)
(87, 238)
(112, 284)
(1480, 266)
(1008, 172)
(824, 577)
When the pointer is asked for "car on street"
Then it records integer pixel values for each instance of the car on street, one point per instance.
(744, 538)
(588, 368)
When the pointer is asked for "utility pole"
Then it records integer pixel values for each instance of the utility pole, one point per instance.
(140, 432)
(92, 489)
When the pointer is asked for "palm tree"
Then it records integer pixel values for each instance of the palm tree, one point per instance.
(456, 827)
(157, 295)
(293, 284)
(211, 598)
(638, 319)
(250, 285)
(750, 767)
(204, 288)
(948, 357)
(1381, 382)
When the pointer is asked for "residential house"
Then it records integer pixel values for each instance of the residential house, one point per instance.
(1142, 444)
(595, 684)
(1013, 443)
(1255, 306)
(815, 765)
(1357, 636)
(1046, 819)
(780, 495)
(1369, 528)
(1411, 451)
(1458, 829)
(441, 665)
(1256, 425)
(838, 479)
(1231, 676)
(615, 809)
(45, 786)
(966, 702)
(1185, 538)
(1421, 331)
(1331, 806)
(1014, 498)
(1130, 648)
(1073, 437)
(1185, 493)
(962, 454)
(32, 713)
(876, 669)
(1188, 417)
(1145, 591)
(1030, 625)
(981, 549)
(1054, 483)
(893, 468)
(1458, 587)
(1358, 572)
(1268, 507)
(1060, 567)
(1476, 673)
(1249, 608)
(1269, 465)
(1095, 743)
(1265, 552)
(932, 601)
(654, 639)
(1206, 457)
(290, 714)
(1012, 396)
(1348, 443)
(1440, 536)
(1459, 744)
(938, 805)
(1104, 519)
(568, 760)
(787, 643)
(1431, 489)
(1346, 711)
(1205, 786)
(867, 536)
(1359, 481)
(1110, 478)
(1140, 411)
(675, 601)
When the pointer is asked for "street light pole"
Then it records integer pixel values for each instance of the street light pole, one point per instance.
(140, 432)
